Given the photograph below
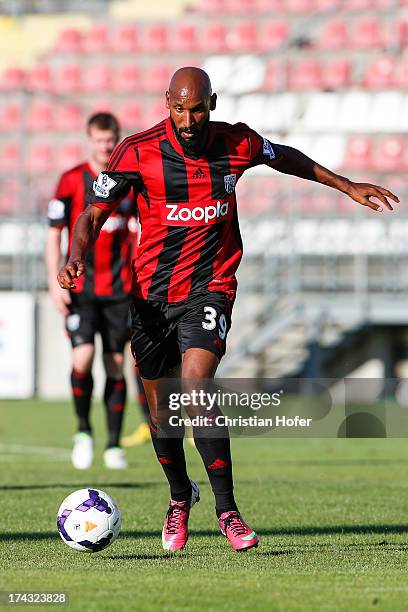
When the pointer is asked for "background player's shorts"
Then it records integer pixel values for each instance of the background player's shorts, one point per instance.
(108, 317)
(161, 332)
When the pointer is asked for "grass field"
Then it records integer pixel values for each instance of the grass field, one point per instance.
(332, 516)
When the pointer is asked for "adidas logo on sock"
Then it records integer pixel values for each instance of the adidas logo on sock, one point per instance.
(199, 173)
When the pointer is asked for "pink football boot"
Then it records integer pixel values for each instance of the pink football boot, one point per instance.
(175, 528)
(234, 527)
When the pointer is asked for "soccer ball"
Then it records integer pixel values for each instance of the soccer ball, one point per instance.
(88, 520)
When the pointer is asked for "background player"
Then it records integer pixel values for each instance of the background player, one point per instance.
(99, 303)
(184, 287)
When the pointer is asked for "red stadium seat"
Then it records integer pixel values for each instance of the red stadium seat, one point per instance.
(243, 37)
(101, 106)
(130, 116)
(389, 155)
(40, 78)
(401, 76)
(69, 41)
(213, 38)
(183, 38)
(239, 7)
(327, 5)
(155, 38)
(275, 76)
(9, 196)
(337, 74)
(10, 117)
(299, 6)
(154, 113)
(96, 78)
(358, 153)
(381, 73)
(68, 117)
(334, 35)
(273, 35)
(156, 78)
(10, 157)
(68, 79)
(125, 38)
(96, 40)
(264, 7)
(368, 34)
(40, 157)
(69, 155)
(127, 78)
(307, 74)
(12, 79)
(210, 7)
(40, 116)
(357, 5)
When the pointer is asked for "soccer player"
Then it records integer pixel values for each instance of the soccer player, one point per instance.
(186, 169)
(100, 301)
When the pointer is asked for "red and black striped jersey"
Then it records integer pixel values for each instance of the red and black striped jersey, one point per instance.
(108, 265)
(190, 237)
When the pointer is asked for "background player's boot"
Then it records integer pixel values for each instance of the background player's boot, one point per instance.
(141, 435)
(82, 453)
(175, 528)
(234, 527)
(114, 458)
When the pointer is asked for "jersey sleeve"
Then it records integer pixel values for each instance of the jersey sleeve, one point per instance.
(262, 150)
(59, 208)
(121, 175)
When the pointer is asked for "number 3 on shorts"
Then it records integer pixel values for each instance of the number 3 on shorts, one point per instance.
(210, 321)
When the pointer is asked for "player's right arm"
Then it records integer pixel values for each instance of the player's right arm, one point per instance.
(111, 186)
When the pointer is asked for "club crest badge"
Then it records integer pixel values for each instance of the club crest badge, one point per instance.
(229, 182)
(268, 149)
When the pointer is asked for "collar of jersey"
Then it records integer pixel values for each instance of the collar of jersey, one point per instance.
(177, 146)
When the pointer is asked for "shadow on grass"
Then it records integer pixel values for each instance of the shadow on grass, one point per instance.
(108, 485)
(279, 531)
(172, 556)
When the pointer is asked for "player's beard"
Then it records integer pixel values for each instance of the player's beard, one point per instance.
(195, 145)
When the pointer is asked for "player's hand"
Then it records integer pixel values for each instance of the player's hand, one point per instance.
(363, 192)
(69, 273)
(61, 299)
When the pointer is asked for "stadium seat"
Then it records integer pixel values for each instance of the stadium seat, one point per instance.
(125, 38)
(243, 37)
(210, 7)
(156, 78)
(101, 106)
(299, 6)
(307, 74)
(127, 78)
(281, 111)
(401, 74)
(333, 35)
(354, 111)
(272, 35)
(398, 34)
(357, 5)
(69, 41)
(276, 75)
(96, 40)
(68, 79)
(12, 79)
(389, 154)
(130, 116)
(213, 38)
(183, 38)
(358, 153)
(381, 73)
(9, 196)
(386, 112)
(321, 112)
(68, 117)
(155, 38)
(10, 117)
(40, 116)
(96, 78)
(70, 154)
(367, 34)
(327, 5)
(337, 74)
(264, 7)
(154, 112)
(239, 7)
(10, 157)
(40, 78)
(40, 157)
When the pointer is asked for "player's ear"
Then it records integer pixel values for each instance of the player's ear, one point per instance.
(168, 100)
(213, 102)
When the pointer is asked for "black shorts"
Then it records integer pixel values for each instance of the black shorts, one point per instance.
(162, 332)
(108, 317)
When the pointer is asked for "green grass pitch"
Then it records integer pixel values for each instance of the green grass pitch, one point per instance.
(332, 516)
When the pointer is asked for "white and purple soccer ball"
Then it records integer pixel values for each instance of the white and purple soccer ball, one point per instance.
(88, 520)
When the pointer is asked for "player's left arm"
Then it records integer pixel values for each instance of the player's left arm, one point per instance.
(291, 161)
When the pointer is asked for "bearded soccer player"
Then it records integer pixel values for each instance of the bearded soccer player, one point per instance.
(186, 168)
(100, 301)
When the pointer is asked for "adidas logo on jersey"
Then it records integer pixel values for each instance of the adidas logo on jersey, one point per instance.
(199, 173)
(206, 214)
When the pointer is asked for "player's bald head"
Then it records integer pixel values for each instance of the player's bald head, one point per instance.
(190, 82)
